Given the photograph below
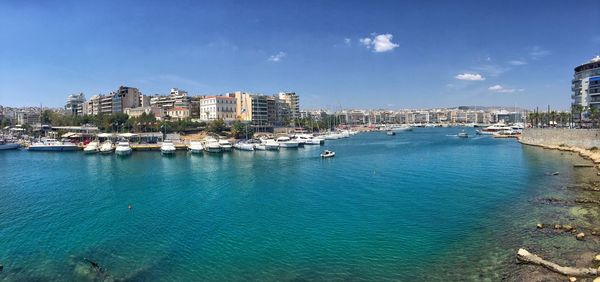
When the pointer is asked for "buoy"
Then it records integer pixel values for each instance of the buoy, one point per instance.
(130, 207)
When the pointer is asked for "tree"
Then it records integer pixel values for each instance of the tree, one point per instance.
(594, 115)
(240, 130)
(216, 126)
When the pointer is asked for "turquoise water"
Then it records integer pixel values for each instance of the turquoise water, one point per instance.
(385, 208)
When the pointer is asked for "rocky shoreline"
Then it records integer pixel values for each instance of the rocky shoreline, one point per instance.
(582, 252)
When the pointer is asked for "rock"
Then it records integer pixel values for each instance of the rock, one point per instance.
(1, 267)
(572, 279)
(567, 227)
(540, 225)
(557, 226)
(580, 236)
(597, 258)
(597, 279)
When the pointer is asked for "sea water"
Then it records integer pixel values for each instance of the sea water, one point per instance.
(420, 205)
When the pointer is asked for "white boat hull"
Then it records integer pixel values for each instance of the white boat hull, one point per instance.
(288, 144)
(123, 152)
(10, 146)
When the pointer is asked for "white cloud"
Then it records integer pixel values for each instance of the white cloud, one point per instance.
(537, 52)
(347, 41)
(277, 57)
(517, 62)
(500, 89)
(469, 76)
(379, 42)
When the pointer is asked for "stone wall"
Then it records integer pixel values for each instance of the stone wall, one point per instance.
(581, 138)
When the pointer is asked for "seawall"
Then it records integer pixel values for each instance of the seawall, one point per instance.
(566, 137)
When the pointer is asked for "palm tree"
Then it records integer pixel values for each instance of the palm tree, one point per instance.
(579, 110)
(594, 115)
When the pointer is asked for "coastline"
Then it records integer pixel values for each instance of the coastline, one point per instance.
(580, 252)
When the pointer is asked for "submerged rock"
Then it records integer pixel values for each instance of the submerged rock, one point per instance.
(557, 226)
(540, 225)
(567, 227)
(580, 236)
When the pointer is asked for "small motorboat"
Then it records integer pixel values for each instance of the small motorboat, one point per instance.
(195, 147)
(123, 148)
(167, 147)
(327, 154)
(390, 133)
(92, 147)
(106, 147)
(463, 134)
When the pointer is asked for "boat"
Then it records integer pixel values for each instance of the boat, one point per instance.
(490, 130)
(167, 147)
(286, 142)
(195, 147)
(106, 147)
(463, 134)
(52, 145)
(270, 144)
(309, 139)
(211, 145)
(244, 146)
(123, 148)
(328, 154)
(92, 147)
(260, 147)
(390, 132)
(225, 145)
(402, 128)
(9, 145)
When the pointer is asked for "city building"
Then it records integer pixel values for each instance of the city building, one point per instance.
(176, 98)
(218, 107)
(586, 86)
(293, 102)
(75, 105)
(178, 113)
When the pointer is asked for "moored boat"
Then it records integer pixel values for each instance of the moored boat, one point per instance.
(195, 147)
(52, 145)
(211, 145)
(225, 145)
(123, 148)
(286, 142)
(270, 144)
(91, 148)
(106, 147)
(9, 145)
(167, 147)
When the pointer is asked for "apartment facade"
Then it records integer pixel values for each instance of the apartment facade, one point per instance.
(75, 105)
(586, 86)
(293, 101)
(218, 107)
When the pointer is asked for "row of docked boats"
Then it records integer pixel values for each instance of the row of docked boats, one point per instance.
(212, 145)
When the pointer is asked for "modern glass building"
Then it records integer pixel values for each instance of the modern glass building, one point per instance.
(586, 85)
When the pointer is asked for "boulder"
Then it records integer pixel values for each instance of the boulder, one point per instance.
(597, 258)
(540, 225)
(572, 279)
(557, 226)
(567, 227)
(580, 236)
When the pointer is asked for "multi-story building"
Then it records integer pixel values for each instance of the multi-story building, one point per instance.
(125, 97)
(106, 104)
(218, 107)
(293, 102)
(178, 113)
(586, 86)
(29, 117)
(176, 98)
(75, 104)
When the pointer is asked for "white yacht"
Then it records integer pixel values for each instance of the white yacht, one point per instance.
(92, 147)
(106, 147)
(9, 144)
(225, 145)
(195, 147)
(286, 142)
(402, 128)
(490, 130)
(123, 148)
(244, 146)
(167, 147)
(309, 139)
(212, 145)
(52, 145)
(270, 144)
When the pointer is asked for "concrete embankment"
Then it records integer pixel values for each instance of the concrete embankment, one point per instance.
(585, 142)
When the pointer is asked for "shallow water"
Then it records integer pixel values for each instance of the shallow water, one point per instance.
(385, 208)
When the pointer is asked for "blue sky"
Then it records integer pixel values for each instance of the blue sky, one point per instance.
(350, 54)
